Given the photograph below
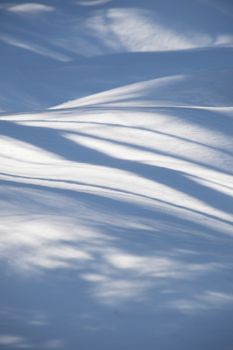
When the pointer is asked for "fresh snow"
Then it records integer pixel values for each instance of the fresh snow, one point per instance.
(116, 187)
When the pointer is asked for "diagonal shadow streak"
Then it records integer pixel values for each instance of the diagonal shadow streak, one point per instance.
(146, 149)
(137, 128)
(116, 190)
(115, 205)
(53, 141)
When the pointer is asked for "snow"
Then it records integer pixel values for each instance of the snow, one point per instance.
(116, 190)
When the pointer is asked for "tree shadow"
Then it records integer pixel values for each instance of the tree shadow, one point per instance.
(88, 264)
(144, 262)
(54, 141)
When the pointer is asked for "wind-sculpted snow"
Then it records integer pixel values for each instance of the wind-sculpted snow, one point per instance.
(116, 191)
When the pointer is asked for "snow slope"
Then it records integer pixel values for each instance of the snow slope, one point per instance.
(116, 187)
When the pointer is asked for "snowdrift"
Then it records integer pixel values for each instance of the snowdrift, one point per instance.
(116, 191)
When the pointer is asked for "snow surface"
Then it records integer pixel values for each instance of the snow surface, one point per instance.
(116, 190)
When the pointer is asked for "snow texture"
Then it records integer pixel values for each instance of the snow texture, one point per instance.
(116, 187)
